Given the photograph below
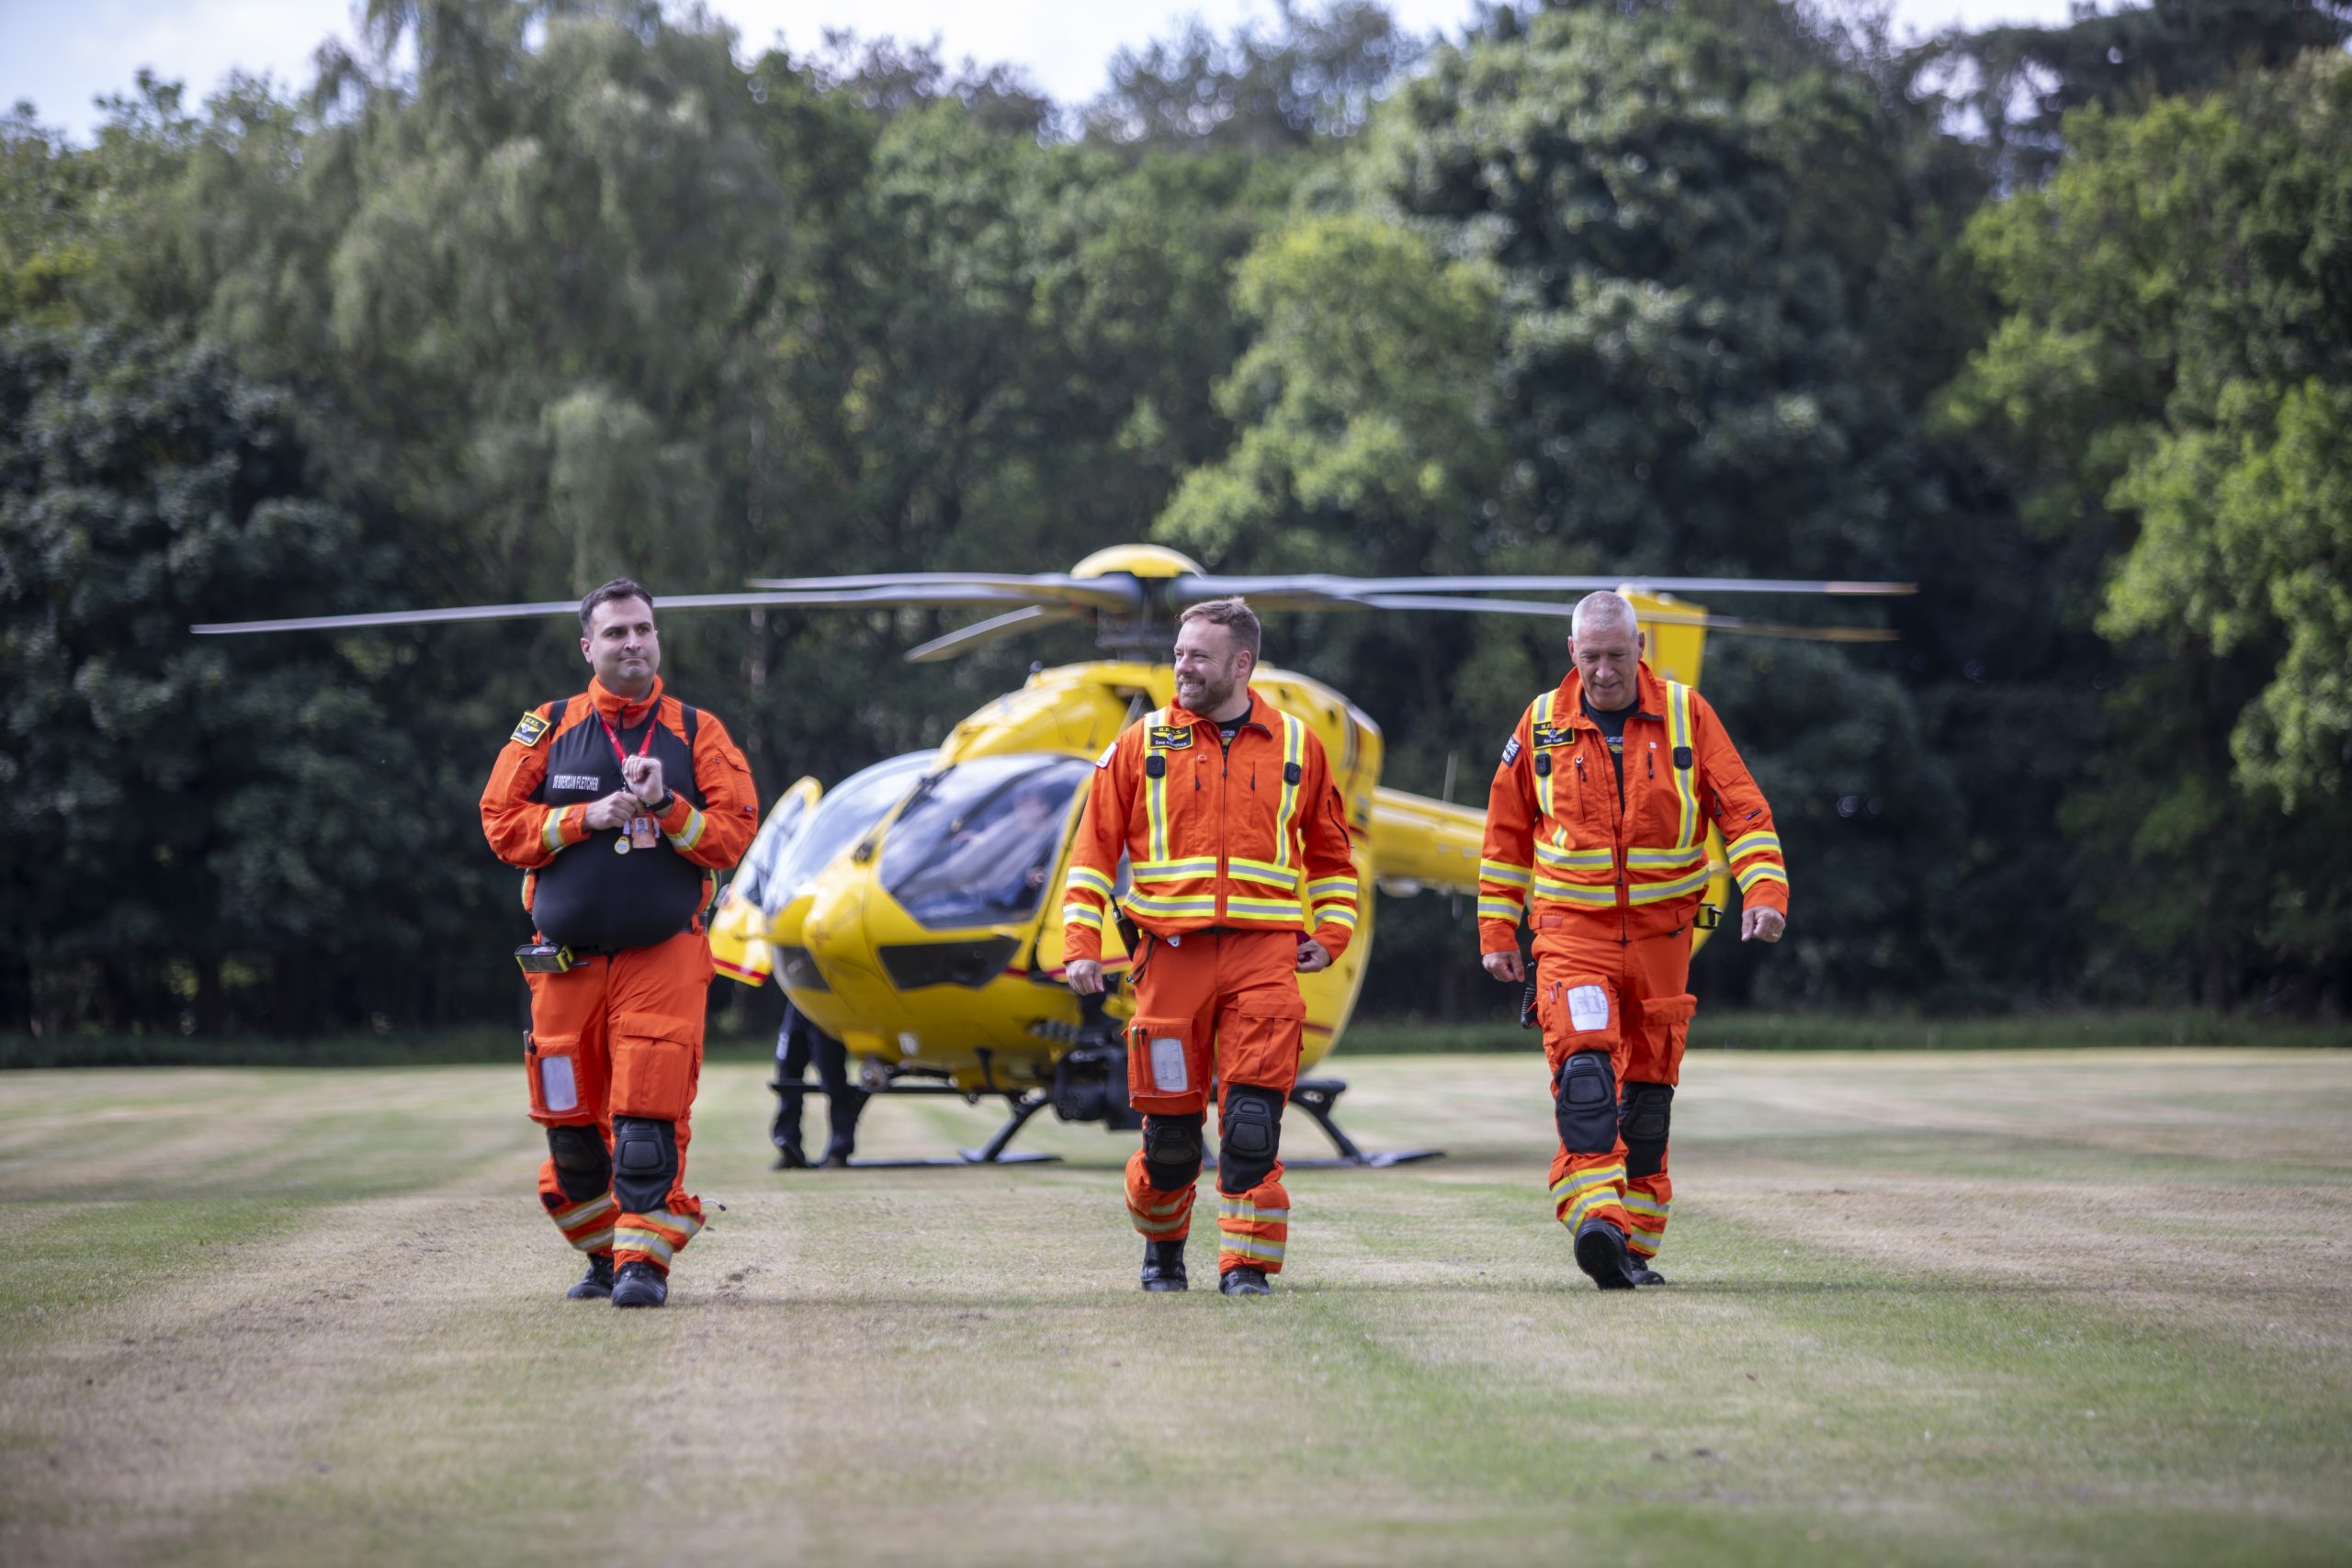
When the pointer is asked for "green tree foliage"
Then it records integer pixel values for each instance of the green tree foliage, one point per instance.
(2170, 380)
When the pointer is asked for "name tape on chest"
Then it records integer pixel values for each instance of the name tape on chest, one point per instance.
(1170, 736)
(528, 732)
(574, 781)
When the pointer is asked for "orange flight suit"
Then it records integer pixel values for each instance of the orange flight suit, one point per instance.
(620, 1033)
(1233, 854)
(1610, 886)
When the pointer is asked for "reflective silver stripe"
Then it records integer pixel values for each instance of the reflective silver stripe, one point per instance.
(1342, 915)
(598, 1241)
(1504, 872)
(1762, 871)
(1556, 858)
(551, 831)
(1686, 787)
(1089, 879)
(1273, 876)
(1294, 757)
(1604, 897)
(1173, 869)
(1664, 860)
(1578, 1181)
(1283, 910)
(1081, 914)
(1748, 843)
(1323, 886)
(1494, 908)
(1641, 1202)
(1250, 1246)
(567, 1218)
(1242, 1210)
(690, 835)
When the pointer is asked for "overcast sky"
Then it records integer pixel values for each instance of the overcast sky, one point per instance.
(61, 54)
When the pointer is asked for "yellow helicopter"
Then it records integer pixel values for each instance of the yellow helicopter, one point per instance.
(913, 911)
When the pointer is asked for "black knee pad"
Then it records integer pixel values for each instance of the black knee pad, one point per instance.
(1586, 1107)
(645, 1163)
(1646, 1111)
(1171, 1150)
(1250, 1136)
(582, 1168)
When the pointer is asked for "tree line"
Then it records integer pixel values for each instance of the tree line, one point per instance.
(2056, 320)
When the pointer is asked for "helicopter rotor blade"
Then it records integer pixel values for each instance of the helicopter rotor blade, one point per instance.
(979, 633)
(1309, 589)
(923, 588)
(1735, 624)
(753, 600)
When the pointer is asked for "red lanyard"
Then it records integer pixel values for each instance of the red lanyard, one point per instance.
(615, 736)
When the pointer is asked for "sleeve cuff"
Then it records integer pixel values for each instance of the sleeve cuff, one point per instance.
(1497, 936)
(1333, 939)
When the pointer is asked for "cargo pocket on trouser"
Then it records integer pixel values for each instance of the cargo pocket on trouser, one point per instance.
(655, 1068)
(1166, 1065)
(553, 1063)
(1577, 1010)
(1258, 1041)
(1657, 1055)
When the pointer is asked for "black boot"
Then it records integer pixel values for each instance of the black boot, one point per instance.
(640, 1285)
(1601, 1252)
(1164, 1266)
(1244, 1282)
(790, 1156)
(1639, 1267)
(597, 1283)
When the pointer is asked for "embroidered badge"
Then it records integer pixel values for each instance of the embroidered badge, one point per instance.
(527, 733)
(1554, 735)
(1510, 750)
(1171, 736)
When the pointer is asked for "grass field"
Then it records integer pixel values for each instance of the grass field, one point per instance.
(2045, 1306)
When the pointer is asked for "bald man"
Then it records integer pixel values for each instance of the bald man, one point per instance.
(1596, 832)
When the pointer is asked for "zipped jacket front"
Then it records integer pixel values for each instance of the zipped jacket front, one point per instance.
(1251, 837)
(1561, 842)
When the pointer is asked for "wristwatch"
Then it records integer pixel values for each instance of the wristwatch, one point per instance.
(662, 806)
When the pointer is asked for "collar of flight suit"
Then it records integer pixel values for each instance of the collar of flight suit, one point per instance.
(1261, 713)
(623, 712)
(1649, 699)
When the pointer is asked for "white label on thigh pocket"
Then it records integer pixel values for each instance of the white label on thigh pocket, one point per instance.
(1587, 1007)
(556, 1085)
(1168, 1065)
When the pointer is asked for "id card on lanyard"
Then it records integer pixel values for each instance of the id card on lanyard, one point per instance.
(641, 832)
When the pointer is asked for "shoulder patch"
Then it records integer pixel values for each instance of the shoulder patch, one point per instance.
(527, 733)
(1553, 735)
(1170, 736)
(1510, 750)
(1108, 752)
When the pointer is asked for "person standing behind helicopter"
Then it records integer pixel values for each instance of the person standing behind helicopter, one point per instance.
(1600, 809)
(1224, 809)
(622, 804)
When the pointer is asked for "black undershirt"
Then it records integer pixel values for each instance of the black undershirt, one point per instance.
(1612, 730)
(1227, 729)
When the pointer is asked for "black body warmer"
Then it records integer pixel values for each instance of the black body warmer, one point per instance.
(589, 897)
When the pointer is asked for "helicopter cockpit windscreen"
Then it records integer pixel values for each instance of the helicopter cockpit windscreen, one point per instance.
(978, 846)
(847, 809)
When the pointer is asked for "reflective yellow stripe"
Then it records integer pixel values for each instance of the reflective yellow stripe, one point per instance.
(1145, 904)
(552, 832)
(1251, 1247)
(1686, 787)
(1286, 814)
(1542, 780)
(600, 1242)
(1748, 843)
(1551, 857)
(1342, 915)
(1578, 1180)
(1664, 860)
(1762, 871)
(566, 1218)
(1083, 915)
(1642, 1203)
(1261, 909)
(1155, 790)
(690, 835)
(1571, 893)
(1503, 871)
(1243, 1210)
(1322, 886)
(1173, 869)
(1659, 891)
(1280, 877)
(1493, 909)
(1088, 878)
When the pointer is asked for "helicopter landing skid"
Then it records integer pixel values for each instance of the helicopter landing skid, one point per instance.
(1022, 1106)
(1317, 1097)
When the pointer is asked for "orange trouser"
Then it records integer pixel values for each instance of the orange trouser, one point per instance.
(1631, 1000)
(1222, 1006)
(620, 1034)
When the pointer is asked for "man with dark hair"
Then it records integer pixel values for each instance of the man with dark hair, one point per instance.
(621, 804)
(1224, 809)
(1595, 827)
